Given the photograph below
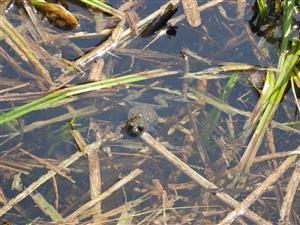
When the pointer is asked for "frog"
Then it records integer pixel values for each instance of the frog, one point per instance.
(140, 118)
(135, 125)
(143, 116)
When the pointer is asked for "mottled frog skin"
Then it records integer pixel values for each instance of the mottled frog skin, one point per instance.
(140, 118)
(135, 125)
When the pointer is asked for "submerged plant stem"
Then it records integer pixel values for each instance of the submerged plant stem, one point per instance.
(68, 92)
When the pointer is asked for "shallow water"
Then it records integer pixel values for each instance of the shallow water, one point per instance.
(218, 39)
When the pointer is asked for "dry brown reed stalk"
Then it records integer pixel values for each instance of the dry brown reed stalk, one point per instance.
(270, 147)
(104, 216)
(37, 31)
(289, 197)
(73, 158)
(256, 49)
(241, 208)
(49, 165)
(126, 35)
(93, 158)
(119, 37)
(241, 7)
(96, 71)
(18, 68)
(55, 189)
(147, 54)
(80, 34)
(201, 8)
(197, 57)
(276, 155)
(12, 166)
(95, 177)
(106, 46)
(183, 167)
(45, 207)
(295, 95)
(7, 82)
(131, 176)
(2, 196)
(12, 97)
(79, 140)
(9, 151)
(191, 12)
(15, 87)
(24, 47)
(202, 151)
(132, 19)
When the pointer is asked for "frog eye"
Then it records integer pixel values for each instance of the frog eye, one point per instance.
(133, 131)
(141, 129)
(129, 125)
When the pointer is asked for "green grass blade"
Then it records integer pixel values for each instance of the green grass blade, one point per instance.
(289, 62)
(262, 9)
(286, 29)
(214, 115)
(104, 7)
(65, 93)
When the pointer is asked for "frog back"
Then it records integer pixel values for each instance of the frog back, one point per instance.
(150, 117)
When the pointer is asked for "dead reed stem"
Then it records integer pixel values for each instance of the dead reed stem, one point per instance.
(49, 165)
(104, 195)
(22, 44)
(280, 154)
(271, 179)
(157, 146)
(290, 194)
(73, 158)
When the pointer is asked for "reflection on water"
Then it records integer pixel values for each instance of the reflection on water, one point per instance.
(157, 106)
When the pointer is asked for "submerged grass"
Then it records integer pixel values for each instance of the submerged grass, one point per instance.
(215, 114)
(107, 163)
(23, 46)
(65, 93)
